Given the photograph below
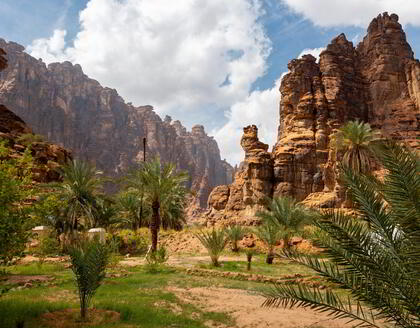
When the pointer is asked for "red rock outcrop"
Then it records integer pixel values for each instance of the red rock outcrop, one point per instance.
(377, 82)
(61, 103)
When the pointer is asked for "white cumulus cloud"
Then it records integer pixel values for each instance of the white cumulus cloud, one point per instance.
(260, 107)
(314, 52)
(187, 58)
(354, 12)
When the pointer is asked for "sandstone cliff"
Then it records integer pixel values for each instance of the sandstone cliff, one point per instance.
(17, 137)
(61, 103)
(377, 82)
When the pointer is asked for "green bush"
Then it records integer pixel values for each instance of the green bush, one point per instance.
(156, 259)
(130, 242)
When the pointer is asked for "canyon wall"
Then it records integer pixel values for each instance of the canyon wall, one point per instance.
(377, 82)
(61, 103)
(16, 136)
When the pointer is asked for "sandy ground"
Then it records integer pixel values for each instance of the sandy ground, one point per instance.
(246, 309)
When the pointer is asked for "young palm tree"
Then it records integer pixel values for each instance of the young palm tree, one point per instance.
(164, 190)
(79, 189)
(215, 242)
(287, 215)
(356, 139)
(89, 262)
(375, 256)
(270, 234)
(235, 233)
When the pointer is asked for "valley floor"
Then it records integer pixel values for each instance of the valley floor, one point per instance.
(185, 293)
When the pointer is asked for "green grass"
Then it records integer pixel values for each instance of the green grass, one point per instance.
(140, 298)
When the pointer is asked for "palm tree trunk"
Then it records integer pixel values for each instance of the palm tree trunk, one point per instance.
(155, 224)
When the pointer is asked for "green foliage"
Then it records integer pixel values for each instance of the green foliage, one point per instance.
(156, 259)
(356, 140)
(215, 242)
(164, 190)
(134, 209)
(287, 215)
(29, 138)
(235, 233)
(89, 262)
(48, 245)
(78, 191)
(374, 256)
(15, 187)
(270, 234)
(129, 242)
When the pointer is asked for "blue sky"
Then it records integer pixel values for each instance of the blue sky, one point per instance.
(173, 51)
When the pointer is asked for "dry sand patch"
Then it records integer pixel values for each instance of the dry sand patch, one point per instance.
(246, 309)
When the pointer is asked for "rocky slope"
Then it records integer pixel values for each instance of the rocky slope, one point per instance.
(377, 82)
(17, 137)
(61, 103)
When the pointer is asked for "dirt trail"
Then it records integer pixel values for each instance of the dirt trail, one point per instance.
(246, 309)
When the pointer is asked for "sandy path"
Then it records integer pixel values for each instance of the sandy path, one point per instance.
(246, 309)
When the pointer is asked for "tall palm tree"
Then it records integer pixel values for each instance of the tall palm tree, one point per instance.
(164, 189)
(374, 256)
(287, 215)
(356, 139)
(79, 189)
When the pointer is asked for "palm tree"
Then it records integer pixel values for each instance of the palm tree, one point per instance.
(356, 140)
(374, 256)
(235, 233)
(133, 208)
(79, 189)
(164, 190)
(270, 234)
(287, 215)
(89, 262)
(215, 242)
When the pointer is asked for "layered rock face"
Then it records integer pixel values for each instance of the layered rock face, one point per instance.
(61, 103)
(377, 82)
(17, 137)
(252, 185)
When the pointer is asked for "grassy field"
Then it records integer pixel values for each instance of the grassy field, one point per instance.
(141, 298)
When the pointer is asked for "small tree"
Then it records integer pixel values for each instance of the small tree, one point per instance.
(89, 262)
(235, 233)
(269, 234)
(215, 242)
(15, 187)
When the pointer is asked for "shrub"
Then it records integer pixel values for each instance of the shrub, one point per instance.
(131, 242)
(156, 259)
(235, 233)
(88, 264)
(215, 242)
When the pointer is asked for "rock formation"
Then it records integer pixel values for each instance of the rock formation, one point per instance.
(377, 82)
(252, 186)
(61, 103)
(17, 137)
